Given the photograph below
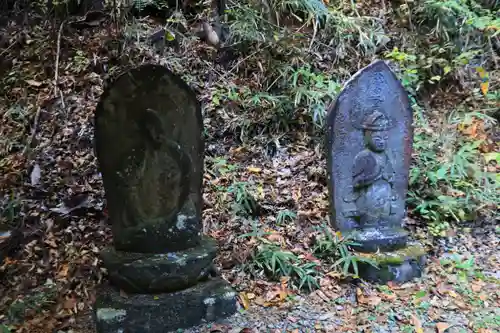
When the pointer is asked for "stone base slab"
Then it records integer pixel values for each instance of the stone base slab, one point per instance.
(376, 239)
(115, 312)
(399, 266)
(160, 272)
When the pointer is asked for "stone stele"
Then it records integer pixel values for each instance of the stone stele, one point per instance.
(149, 144)
(369, 143)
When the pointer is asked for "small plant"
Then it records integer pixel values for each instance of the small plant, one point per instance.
(276, 263)
(81, 61)
(10, 211)
(245, 201)
(220, 166)
(5, 328)
(269, 258)
(313, 91)
(333, 246)
(465, 267)
(284, 216)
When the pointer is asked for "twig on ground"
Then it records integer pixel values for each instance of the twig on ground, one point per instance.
(27, 148)
(56, 74)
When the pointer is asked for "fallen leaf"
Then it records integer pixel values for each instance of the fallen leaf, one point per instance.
(485, 87)
(254, 169)
(369, 300)
(417, 324)
(36, 174)
(63, 272)
(441, 327)
(34, 83)
(244, 300)
(69, 303)
(476, 287)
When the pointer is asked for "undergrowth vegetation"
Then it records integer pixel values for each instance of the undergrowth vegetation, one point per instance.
(293, 57)
(298, 53)
(304, 50)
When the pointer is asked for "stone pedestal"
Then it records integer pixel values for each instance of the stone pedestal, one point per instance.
(399, 265)
(150, 151)
(162, 312)
(369, 142)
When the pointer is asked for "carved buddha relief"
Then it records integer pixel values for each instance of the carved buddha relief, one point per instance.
(373, 195)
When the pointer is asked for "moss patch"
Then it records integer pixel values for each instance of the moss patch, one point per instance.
(411, 251)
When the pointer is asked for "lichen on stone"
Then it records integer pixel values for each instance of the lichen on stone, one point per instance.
(110, 314)
(209, 301)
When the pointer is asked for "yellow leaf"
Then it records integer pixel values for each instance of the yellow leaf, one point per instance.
(245, 302)
(484, 87)
(169, 36)
(260, 190)
(441, 327)
(254, 169)
(481, 71)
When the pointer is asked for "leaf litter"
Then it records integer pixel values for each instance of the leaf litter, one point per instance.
(48, 284)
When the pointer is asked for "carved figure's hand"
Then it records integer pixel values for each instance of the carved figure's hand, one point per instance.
(352, 223)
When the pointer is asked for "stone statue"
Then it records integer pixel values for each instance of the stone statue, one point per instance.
(373, 176)
(369, 141)
(149, 144)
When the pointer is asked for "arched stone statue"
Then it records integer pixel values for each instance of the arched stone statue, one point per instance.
(149, 144)
(369, 142)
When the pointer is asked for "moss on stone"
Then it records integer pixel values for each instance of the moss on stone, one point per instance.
(397, 257)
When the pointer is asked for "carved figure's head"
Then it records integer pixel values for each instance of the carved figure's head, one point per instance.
(376, 126)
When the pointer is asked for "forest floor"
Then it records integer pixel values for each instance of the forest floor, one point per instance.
(52, 183)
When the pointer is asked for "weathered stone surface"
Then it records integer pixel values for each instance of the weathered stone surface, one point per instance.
(150, 149)
(398, 266)
(369, 142)
(160, 313)
(140, 272)
(149, 145)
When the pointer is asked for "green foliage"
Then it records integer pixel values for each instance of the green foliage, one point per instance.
(5, 328)
(277, 263)
(244, 199)
(142, 4)
(285, 216)
(448, 181)
(221, 167)
(290, 90)
(336, 248)
(269, 258)
(36, 301)
(465, 268)
(10, 211)
(16, 116)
